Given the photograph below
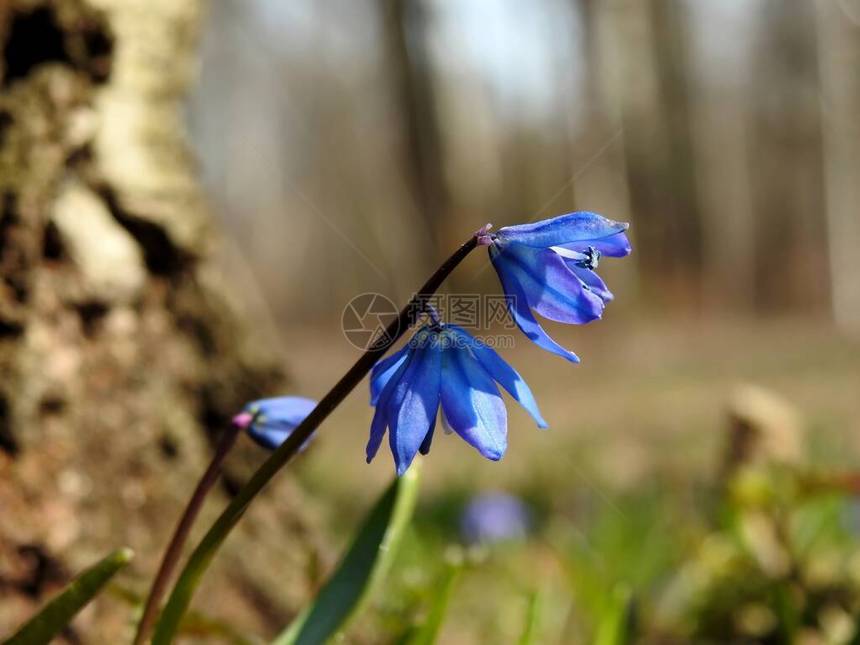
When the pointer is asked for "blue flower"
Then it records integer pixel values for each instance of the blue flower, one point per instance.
(548, 267)
(494, 517)
(270, 421)
(442, 365)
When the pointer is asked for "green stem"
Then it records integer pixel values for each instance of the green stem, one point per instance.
(180, 534)
(190, 577)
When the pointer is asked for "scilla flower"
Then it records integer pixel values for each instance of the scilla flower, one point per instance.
(443, 366)
(494, 517)
(548, 267)
(270, 421)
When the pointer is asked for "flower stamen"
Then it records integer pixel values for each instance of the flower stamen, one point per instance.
(591, 259)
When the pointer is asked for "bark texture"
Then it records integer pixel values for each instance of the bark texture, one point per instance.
(121, 355)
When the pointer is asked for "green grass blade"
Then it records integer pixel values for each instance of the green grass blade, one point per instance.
(363, 566)
(618, 621)
(428, 631)
(60, 611)
(533, 610)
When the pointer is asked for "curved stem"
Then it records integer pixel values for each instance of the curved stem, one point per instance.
(190, 577)
(180, 534)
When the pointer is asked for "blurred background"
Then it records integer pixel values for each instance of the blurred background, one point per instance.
(357, 142)
(349, 146)
(698, 481)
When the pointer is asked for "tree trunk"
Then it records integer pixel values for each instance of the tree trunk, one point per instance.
(785, 160)
(121, 356)
(405, 23)
(652, 88)
(839, 59)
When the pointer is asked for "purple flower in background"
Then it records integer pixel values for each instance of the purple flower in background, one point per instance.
(494, 517)
(443, 366)
(548, 267)
(270, 421)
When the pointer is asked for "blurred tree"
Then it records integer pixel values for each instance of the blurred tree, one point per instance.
(785, 159)
(839, 60)
(405, 25)
(719, 88)
(120, 349)
(654, 95)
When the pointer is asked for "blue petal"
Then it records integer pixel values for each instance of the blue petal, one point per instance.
(276, 418)
(384, 370)
(593, 281)
(377, 432)
(550, 287)
(522, 315)
(414, 403)
(564, 229)
(380, 417)
(425, 445)
(614, 246)
(472, 405)
(506, 375)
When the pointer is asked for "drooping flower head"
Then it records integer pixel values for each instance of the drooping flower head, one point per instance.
(548, 266)
(494, 517)
(270, 421)
(443, 366)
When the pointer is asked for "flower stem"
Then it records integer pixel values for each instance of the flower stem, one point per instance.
(197, 563)
(180, 534)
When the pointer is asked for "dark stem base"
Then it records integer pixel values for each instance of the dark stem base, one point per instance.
(180, 534)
